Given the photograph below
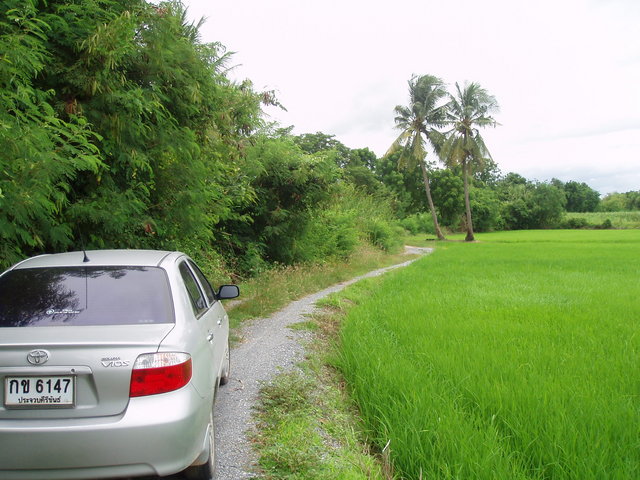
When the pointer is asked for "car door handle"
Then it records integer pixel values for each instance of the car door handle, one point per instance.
(210, 337)
(219, 321)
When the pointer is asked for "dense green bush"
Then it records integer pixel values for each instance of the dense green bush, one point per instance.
(485, 210)
(329, 233)
(373, 217)
(447, 191)
(575, 223)
(530, 205)
(418, 223)
(411, 225)
(606, 224)
(288, 187)
(119, 129)
(380, 234)
(583, 222)
(42, 154)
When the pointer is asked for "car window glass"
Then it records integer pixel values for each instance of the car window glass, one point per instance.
(195, 294)
(59, 296)
(211, 296)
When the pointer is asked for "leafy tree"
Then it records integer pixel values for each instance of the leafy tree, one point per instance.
(416, 122)
(359, 170)
(580, 196)
(487, 174)
(485, 208)
(511, 179)
(42, 154)
(620, 202)
(289, 185)
(407, 189)
(548, 205)
(468, 110)
(356, 164)
(448, 195)
(613, 202)
(633, 200)
(321, 142)
(172, 127)
(527, 205)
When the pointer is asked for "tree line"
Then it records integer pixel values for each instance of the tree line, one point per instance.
(120, 128)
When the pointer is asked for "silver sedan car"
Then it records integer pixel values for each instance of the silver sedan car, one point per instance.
(109, 365)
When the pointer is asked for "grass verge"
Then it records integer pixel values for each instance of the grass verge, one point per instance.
(308, 428)
(275, 288)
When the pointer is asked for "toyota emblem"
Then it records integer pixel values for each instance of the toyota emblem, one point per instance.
(37, 357)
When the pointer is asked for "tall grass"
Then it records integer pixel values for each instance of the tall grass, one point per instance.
(273, 289)
(512, 358)
(617, 219)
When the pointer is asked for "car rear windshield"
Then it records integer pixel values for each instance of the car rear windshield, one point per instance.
(41, 297)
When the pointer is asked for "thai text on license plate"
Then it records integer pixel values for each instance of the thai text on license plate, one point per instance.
(33, 392)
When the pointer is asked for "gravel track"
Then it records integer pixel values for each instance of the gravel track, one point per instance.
(267, 347)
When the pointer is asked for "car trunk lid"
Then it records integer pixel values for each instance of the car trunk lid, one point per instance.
(97, 359)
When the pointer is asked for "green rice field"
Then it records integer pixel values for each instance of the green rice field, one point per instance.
(516, 357)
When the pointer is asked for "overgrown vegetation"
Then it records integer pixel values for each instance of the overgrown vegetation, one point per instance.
(508, 358)
(596, 220)
(274, 288)
(120, 129)
(308, 426)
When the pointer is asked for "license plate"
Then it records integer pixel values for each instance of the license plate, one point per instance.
(38, 392)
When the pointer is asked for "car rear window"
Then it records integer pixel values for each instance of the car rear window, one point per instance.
(37, 297)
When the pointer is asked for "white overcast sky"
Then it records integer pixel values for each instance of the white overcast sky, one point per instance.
(566, 73)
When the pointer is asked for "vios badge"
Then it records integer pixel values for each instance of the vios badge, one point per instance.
(37, 357)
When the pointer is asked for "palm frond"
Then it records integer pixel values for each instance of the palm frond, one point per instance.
(426, 109)
(468, 109)
(398, 144)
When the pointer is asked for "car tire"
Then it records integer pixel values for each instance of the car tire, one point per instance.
(206, 471)
(226, 367)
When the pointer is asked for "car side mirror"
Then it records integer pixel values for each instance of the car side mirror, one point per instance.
(228, 291)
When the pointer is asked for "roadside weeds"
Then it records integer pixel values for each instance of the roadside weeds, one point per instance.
(275, 289)
(307, 425)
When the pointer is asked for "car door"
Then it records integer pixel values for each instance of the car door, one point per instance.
(218, 314)
(207, 359)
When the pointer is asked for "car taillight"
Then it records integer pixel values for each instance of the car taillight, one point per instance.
(155, 373)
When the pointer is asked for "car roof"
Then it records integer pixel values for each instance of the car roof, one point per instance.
(141, 258)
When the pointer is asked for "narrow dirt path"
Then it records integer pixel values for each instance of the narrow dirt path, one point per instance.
(267, 347)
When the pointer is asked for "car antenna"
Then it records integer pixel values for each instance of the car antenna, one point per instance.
(85, 258)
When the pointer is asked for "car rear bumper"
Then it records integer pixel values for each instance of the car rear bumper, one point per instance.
(157, 435)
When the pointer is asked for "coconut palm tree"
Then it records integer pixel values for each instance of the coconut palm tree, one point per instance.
(416, 122)
(468, 110)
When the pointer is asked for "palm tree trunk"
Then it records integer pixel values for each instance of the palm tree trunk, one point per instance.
(427, 189)
(467, 204)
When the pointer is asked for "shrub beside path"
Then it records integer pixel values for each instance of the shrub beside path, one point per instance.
(267, 347)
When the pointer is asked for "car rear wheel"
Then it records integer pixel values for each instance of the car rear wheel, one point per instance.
(207, 470)
(226, 367)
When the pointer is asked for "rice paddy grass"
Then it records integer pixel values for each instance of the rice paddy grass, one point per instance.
(516, 357)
